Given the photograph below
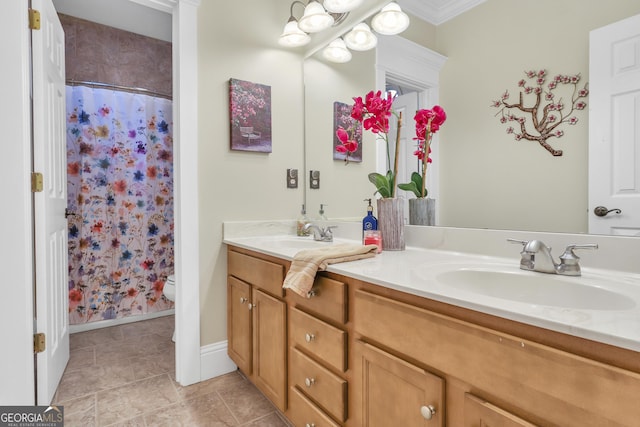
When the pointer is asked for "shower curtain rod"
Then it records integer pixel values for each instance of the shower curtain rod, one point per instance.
(139, 90)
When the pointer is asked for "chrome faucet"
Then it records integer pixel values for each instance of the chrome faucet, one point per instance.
(536, 256)
(320, 234)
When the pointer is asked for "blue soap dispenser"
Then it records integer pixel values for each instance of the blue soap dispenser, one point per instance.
(369, 222)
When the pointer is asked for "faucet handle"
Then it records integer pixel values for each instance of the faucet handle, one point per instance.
(570, 257)
(522, 242)
(569, 260)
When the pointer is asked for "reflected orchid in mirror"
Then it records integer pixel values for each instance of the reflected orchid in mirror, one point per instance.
(545, 110)
(373, 112)
(428, 122)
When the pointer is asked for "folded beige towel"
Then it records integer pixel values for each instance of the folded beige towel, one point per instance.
(307, 262)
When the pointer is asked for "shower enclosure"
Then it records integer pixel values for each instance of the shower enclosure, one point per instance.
(120, 205)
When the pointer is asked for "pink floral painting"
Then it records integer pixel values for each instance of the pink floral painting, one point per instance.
(120, 191)
(342, 119)
(250, 113)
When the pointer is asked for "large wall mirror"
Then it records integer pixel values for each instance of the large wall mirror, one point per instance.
(485, 179)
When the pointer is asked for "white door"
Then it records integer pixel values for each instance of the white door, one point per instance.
(50, 158)
(614, 127)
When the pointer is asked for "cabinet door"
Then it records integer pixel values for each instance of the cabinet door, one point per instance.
(395, 392)
(479, 413)
(270, 347)
(239, 333)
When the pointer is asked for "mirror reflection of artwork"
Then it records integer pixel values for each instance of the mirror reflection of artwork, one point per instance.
(250, 113)
(342, 119)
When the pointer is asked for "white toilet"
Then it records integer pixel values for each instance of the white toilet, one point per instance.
(169, 291)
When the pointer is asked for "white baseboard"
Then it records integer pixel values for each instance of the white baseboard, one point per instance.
(83, 327)
(214, 361)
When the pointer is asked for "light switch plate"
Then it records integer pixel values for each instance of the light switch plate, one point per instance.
(292, 178)
(314, 179)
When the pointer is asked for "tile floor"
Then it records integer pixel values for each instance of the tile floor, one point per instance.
(124, 376)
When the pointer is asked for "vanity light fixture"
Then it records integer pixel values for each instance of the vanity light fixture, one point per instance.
(293, 36)
(315, 18)
(337, 51)
(341, 6)
(360, 38)
(390, 20)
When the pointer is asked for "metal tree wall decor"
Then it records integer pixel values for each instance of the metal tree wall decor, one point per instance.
(539, 112)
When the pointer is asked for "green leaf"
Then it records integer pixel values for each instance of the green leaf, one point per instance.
(410, 186)
(414, 186)
(382, 183)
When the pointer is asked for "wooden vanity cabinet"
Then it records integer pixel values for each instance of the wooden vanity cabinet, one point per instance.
(257, 323)
(356, 354)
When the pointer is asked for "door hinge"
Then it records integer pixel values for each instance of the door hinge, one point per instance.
(38, 342)
(34, 19)
(37, 184)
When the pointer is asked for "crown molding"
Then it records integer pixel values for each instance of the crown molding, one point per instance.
(437, 12)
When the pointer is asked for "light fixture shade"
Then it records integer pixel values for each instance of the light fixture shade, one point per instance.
(337, 52)
(293, 36)
(315, 18)
(341, 6)
(390, 20)
(360, 38)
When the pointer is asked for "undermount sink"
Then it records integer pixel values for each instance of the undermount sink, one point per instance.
(535, 288)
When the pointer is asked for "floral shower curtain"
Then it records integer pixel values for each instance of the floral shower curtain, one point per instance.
(120, 187)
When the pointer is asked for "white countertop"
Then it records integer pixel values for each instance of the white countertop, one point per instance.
(415, 271)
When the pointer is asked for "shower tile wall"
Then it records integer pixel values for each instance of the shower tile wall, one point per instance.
(99, 53)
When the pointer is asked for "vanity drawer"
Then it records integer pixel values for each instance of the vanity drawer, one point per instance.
(304, 413)
(319, 338)
(323, 386)
(258, 272)
(328, 299)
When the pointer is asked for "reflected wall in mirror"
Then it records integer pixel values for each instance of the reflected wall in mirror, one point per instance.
(486, 178)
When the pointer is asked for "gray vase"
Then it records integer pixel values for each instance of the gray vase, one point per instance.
(391, 223)
(422, 211)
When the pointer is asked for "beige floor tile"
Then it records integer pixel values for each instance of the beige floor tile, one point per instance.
(150, 366)
(81, 358)
(90, 379)
(222, 382)
(80, 412)
(121, 403)
(271, 420)
(246, 402)
(94, 337)
(206, 410)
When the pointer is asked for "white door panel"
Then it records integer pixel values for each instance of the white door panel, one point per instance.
(614, 127)
(49, 156)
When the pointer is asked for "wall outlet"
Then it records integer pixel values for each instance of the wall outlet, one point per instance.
(292, 178)
(314, 179)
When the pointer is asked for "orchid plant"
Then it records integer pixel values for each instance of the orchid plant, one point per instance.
(428, 122)
(374, 113)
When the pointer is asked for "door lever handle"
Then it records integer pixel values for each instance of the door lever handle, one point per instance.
(602, 211)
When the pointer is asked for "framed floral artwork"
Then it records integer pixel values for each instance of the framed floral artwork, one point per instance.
(250, 113)
(342, 119)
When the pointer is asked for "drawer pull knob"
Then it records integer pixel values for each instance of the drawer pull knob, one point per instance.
(309, 381)
(428, 411)
(309, 337)
(243, 300)
(252, 306)
(309, 425)
(311, 293)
